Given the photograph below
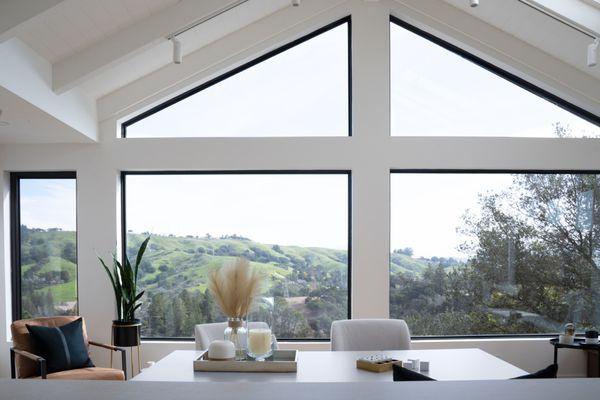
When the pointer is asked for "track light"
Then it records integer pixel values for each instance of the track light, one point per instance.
(592, 53)
(474, 3)
(296, 3)
(3, 123)
(177, 58)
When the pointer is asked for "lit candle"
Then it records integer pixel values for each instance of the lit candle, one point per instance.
(259, 341)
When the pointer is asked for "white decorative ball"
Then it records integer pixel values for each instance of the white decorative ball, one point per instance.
(221, 350)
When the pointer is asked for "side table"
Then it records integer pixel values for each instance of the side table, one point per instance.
(579, 344)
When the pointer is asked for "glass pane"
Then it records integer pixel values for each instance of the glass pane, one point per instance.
(495, 253)
(435, 92)
(48, 247)
(292, 227)
(302, 91)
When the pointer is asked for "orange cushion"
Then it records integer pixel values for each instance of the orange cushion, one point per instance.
(92, 373)
(22, 340)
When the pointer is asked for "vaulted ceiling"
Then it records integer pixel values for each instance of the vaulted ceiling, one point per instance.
(59, 58)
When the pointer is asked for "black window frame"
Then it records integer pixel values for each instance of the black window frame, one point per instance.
(15, 232)
(471, 172)
(510, 77)
(348, 174)
(243, 67)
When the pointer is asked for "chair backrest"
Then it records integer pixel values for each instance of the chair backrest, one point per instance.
(22, 340)
(206, 333)
(369, 334)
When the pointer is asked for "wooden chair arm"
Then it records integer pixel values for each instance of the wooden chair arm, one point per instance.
(114, 348)
(40, 360)
(105, 346)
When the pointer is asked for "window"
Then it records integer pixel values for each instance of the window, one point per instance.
(292, 226)
(495, 253)
(439, 90)
(301, 89)
(44, 244)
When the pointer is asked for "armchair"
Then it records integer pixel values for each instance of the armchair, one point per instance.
(24, 363)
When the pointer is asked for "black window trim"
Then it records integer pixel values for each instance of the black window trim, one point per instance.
(253, 62)
(483, 171)
(346, 172)
(15, 231)
(522, 83)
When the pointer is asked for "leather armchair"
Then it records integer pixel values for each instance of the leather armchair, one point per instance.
(25, 364)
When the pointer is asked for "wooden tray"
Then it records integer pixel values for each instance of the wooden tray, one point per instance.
(280, 361)
(376, 366)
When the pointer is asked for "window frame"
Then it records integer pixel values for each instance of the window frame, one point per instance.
(153, 110)
(502, 73)
(15, 231)
(348, 174)
(471, 172)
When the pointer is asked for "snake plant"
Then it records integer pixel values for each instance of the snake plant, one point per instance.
(123, 278)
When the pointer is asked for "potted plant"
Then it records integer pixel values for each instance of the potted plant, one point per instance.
(123, 278)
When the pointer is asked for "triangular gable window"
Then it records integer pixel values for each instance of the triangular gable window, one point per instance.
(301, 89)
(440, 90)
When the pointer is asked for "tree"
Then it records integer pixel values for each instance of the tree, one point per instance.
(69, 252)
(156, 316)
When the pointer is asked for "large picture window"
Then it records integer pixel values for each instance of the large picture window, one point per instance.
(495, 253)
(300, 89)
(438, 89)
(292, 226)
(44, 244)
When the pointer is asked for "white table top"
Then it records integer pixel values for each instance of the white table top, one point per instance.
(340, 366)
(521, 389)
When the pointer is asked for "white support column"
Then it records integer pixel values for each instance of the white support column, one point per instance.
(370, 191)
(97, 213)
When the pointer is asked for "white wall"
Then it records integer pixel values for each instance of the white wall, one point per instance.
(370, 153)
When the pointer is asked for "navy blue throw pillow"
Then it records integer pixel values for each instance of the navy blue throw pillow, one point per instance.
(405, 374)
(546, 373)
(63, 347)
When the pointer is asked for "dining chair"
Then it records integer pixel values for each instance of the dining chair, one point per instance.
(25, 362)
(206, 333)
(369, 334)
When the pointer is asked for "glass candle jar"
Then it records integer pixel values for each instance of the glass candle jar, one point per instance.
(260, 344)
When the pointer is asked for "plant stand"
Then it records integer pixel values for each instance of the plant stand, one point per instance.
(127, 335)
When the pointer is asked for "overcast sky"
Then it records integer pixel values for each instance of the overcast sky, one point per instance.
(303, 92)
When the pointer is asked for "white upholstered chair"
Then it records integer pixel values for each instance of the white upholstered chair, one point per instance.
(206, 333)
(369, 334)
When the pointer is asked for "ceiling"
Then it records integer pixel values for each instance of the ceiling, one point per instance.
(74, 25)
(77, 52)
(536, 29)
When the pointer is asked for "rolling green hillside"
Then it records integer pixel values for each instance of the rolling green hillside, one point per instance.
(307, 285)
(184, 263)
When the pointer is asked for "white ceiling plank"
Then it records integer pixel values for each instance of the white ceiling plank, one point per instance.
(15, 12)
(135, 38)
(28, 76)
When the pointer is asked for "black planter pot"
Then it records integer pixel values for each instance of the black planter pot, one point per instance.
(126, 333)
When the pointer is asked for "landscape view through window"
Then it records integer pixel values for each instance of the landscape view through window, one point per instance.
(495, 253)
(48, 247)
(291, 227)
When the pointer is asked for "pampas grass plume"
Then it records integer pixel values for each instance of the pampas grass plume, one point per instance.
(234, 287)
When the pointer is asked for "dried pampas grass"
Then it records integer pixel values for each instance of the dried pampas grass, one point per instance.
(234, 287)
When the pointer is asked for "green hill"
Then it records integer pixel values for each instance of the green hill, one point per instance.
(184, 262)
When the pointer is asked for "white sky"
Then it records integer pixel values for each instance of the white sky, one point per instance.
(303, 92)
(303, 210)
(48, 203)
(426, 209)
